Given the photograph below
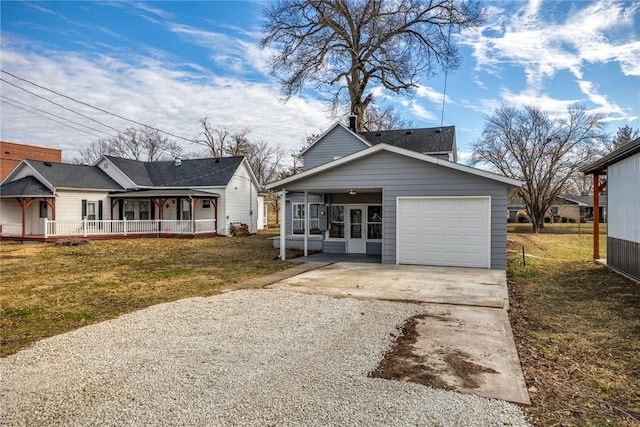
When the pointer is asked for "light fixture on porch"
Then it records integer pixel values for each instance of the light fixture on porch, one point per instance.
(352, 192)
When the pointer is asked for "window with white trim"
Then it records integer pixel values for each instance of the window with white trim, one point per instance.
(336, 221)
(374, 222)
(92, 211)
(129, 209)
(297, 218)
(144, 209)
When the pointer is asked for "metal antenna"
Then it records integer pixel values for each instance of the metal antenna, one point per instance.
(446, 75)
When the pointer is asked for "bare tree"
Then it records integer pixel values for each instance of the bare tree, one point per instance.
(215, 139)
(543, 152)
(265, 161)
(385, 118)
(90, 154)
(142, 143)
(354, 44)
(239, 144)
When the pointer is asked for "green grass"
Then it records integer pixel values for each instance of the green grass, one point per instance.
(47, 289)
(577, 328)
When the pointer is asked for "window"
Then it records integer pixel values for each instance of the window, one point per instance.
(129, 209)
(374, 222)
(298, 218)
(186, 209)
(92, 210)
(44, 209)
(144, 209)
(336, 221)
(206, 204)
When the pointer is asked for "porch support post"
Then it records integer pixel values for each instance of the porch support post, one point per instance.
(283, 241)
(215, 215)
(193, 215)
(596, 217)
(306, 222)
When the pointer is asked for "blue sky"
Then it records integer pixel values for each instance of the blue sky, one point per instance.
(168, 64)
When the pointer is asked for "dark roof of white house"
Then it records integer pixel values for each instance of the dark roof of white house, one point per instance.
(210, 172)
(422, 140)
(615, 156)
(67, 175)
(28, 186)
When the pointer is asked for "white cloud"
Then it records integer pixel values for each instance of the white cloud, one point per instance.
(149, 91)
(418, 110)
(528, 38)
(432, 95)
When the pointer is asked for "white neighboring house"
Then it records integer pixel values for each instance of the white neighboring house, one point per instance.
(117, 197)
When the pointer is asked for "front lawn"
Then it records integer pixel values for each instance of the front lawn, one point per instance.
(47, 289)
(577, 329)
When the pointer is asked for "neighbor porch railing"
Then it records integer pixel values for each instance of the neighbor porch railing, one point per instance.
(86, 228)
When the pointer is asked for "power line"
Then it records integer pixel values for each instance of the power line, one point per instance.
(49, 118)
(95, 108)
(51, 114)
(60, 105)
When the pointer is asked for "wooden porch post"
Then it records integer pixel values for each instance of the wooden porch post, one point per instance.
(24, 204)
(596, 216)
(306, 222)
(215, 214)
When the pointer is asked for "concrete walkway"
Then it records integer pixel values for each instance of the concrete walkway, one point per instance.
(464, 340)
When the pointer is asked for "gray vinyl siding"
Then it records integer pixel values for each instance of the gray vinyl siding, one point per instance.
(333, 247)
(374, 248)
(357, 199)
(337, 143)
(400, 176)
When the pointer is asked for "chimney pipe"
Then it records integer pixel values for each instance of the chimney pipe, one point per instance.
(177, 161)
(353, 122)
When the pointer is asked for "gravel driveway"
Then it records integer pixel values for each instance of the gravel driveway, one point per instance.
(254, 357)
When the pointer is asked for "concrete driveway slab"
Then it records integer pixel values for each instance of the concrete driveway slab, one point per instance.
(445, 285)
(462, 342)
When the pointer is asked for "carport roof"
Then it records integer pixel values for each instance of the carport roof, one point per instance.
(401, 151)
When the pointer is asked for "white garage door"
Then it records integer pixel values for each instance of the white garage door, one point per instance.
(447, 231)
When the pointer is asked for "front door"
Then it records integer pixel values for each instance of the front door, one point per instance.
(355, 230)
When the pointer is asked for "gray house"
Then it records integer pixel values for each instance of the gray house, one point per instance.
(397, 195)
(622, 170)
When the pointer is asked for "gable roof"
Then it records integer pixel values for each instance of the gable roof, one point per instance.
(29, 186)
(422, 140)
(65, 175)
(365, 143)
(401, 151)
(615, 156)
(209, 172)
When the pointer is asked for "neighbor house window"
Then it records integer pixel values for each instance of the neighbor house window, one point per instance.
(43, 209)
(129, 209)
(144, 209)
(336, 219)
(298, 218)
(92, 211)
(206, 204)
(374, 222)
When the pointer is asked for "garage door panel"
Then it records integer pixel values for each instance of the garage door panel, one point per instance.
(444, 231)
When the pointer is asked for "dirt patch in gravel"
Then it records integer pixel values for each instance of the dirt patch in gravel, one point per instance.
(402, 363)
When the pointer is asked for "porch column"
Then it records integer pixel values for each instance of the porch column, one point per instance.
(283, 241)
(306, 222)
(596, 217)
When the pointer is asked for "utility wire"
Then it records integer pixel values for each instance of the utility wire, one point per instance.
(95, 108)
(15, 101)
(49, 118)
(60, 105)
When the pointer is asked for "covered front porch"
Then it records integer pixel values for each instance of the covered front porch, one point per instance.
(334, 221)
(154, 213)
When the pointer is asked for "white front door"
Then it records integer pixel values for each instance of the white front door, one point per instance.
(355, 230)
